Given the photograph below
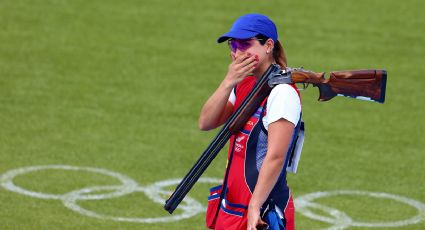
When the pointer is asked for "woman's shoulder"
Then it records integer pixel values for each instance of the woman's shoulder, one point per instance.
(284, 90)
(283, 102)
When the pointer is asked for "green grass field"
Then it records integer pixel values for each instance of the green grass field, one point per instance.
(118, 85)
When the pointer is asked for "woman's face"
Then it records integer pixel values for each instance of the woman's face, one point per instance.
(252, 46)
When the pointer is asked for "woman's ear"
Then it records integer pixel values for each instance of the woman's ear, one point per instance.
(269, 45)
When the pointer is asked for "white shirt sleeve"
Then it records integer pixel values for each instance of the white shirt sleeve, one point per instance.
(232, 97)
(283, 102)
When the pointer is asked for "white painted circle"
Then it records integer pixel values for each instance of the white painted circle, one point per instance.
(160, 185)
(6, 180)
(191, 207)
(305, 204)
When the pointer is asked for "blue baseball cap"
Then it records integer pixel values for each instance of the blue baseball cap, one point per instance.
(250, 25)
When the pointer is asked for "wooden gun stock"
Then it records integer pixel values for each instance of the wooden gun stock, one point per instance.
(361, 84)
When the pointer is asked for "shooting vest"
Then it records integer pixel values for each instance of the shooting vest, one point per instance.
(248, 147)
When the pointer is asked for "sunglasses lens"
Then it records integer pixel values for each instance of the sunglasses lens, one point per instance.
(244, 44)
(241, 45)
(233, 45)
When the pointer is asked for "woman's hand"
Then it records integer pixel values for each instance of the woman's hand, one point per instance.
(241, 66)
(218, 109)
(254, 219)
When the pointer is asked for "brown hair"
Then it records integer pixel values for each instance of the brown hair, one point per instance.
(279, 54)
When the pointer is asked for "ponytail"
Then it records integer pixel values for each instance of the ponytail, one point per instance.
(279, 55)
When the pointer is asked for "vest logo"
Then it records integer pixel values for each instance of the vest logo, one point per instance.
(239, 139)
(239, 147)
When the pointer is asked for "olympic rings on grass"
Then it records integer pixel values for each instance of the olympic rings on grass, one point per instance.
(189, 207)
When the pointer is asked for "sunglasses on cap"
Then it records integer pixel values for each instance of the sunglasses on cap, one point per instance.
(241, 44)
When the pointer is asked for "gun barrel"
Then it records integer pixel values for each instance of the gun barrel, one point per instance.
(240, 116)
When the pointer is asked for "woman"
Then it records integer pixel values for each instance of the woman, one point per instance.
(257, 154)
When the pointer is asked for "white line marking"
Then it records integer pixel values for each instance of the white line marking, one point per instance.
(341, 220)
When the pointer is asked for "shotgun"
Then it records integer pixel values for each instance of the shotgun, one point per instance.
(360, 84)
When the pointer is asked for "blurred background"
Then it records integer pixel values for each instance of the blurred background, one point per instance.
(118, 85)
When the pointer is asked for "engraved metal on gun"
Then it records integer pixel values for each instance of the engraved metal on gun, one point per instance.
(282, 77)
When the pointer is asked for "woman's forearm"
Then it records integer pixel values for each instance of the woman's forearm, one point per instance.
(279, 138)
(214, 110)
(266, 179)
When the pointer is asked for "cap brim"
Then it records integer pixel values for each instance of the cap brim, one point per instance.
(237, 34)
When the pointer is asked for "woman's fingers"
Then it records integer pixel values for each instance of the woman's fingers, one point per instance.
(248, 62)
(241, 67)
(249, 59)
(262, 225)
(248, 67)
(251, 64)
(242, 58)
